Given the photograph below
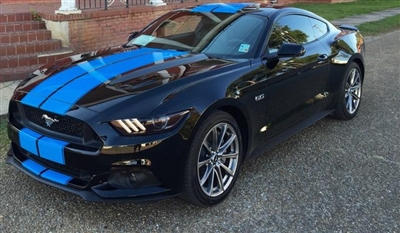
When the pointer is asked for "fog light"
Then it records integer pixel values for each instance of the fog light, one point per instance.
(122, 179)
(134, 177)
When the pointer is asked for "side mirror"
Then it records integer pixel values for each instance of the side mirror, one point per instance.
(291, 50)
(132, 35)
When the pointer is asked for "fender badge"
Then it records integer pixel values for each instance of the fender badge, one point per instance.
(259, 97)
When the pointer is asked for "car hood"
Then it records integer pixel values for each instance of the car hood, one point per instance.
(100, 79)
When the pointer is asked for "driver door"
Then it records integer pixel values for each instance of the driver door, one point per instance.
(294, 85)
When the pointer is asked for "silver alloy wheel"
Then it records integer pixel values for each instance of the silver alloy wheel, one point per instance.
(217, 161)
(353, 91)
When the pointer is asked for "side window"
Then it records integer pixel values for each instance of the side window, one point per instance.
(290, 29)
(319, 28)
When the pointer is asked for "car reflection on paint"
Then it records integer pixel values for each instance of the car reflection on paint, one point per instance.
(177, 109)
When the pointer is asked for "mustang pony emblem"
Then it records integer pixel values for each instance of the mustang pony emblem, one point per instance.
(49, 121)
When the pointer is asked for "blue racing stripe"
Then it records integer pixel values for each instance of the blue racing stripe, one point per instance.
(205, 8)
(56, 177)
(56, 106)
(221, 7)
(39, 94)
(76, 89)
(27, 140)
(34, 167)
(128, 55)
(52, 149)
(48, 86)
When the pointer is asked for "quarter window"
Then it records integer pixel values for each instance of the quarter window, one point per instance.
(318, 27)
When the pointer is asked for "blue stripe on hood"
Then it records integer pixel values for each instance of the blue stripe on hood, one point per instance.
(61, 91)
(75, 90)
(42, 91)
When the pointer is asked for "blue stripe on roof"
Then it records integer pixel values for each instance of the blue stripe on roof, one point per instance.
(205, 8)
(61, 101)
(220, 7)
(47, 87)
(27, 140)
(56, 177)
(32, 166)
(52, 149)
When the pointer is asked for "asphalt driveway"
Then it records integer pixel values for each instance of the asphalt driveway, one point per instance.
(333, 177)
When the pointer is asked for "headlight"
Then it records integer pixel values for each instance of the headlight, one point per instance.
(134, 126)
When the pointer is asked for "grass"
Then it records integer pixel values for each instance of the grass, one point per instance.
(4, 142)
(382, 26)
(342, 10)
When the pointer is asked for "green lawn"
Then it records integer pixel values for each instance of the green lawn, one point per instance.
(342, 10)
(382, 26)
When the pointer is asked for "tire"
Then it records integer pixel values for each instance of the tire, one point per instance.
(350, 94)
(213, 162)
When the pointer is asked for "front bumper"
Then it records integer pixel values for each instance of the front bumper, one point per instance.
(100, 193)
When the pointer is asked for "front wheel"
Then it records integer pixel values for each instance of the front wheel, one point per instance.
(350, 95)
(214, 160)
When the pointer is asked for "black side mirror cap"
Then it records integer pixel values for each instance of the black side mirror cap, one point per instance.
(291, 50)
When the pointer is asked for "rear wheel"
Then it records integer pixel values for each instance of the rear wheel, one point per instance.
(350, 94)
(214, 160)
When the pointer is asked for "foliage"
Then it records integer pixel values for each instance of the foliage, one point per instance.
(285, 34)
(35, 14)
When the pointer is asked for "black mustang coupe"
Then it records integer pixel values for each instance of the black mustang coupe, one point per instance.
(179, 108)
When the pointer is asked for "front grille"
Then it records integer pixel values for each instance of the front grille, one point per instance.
(65, 125)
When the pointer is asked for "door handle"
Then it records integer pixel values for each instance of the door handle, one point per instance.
(322, 58)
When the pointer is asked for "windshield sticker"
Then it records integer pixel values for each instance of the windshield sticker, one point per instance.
(143, 40)
(244, 48)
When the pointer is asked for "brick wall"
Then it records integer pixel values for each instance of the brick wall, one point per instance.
(113, 30)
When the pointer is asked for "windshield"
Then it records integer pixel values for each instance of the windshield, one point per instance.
(220, 35)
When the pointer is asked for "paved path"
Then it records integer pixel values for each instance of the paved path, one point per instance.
(6, 88)
(365, 18)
